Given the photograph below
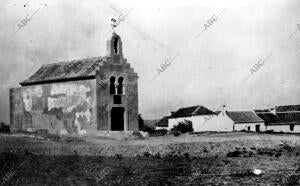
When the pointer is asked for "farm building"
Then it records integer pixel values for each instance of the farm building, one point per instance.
(281, 118)
(79, 97)
(246, 120)
(236, 121)
(198, 115)
(162, 123)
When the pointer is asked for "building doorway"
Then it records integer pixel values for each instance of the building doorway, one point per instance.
(117, 119)
(257, 128)
(248, 128)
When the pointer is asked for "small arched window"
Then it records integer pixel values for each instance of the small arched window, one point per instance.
(116, 43)
(120, 85)
(112, 87)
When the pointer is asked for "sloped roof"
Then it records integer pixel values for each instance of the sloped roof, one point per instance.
(286, 118)
(287, 108)
(244, 117)
(163, 122)
(77, 69)
(150, 122)
(192, 111)
(261, 110)
(217, 112)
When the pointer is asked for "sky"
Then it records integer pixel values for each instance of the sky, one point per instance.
(242, 54)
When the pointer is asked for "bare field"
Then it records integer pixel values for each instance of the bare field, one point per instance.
(198, 159)
(206, 144)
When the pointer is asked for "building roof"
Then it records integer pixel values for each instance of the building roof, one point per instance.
(288, 108)
(217, 112)
(150, 122)
(261, 110)
(192, 111)
(286, 118)
(244, 117)
(63, 71)
(163, 122)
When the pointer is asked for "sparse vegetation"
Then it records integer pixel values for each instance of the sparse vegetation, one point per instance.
(118, 156)
(148, 129)
(152, 132)
(137, 134)
(290, 179)
(174, 132)
(224, 158)
(183, 127)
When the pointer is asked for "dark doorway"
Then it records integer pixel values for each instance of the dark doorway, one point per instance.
(117, 119)
(257, 128)
(249, 128)
(292, 127)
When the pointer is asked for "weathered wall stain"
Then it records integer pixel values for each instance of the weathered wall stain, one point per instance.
(28, 95)
(60, 108)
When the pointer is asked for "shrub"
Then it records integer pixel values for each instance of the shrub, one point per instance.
(235, 153)
(174, 132)
(148, 129)
(147, 154)
(118, 156)
(137, 134)
(290, 179)
(157, 155)
(159, 132)
(183, 127)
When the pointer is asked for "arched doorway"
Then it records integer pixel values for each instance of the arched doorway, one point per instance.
(117, 119)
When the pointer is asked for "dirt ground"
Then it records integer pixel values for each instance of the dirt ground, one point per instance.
(197, 159)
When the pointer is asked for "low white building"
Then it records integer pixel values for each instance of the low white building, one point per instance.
(246, 121)
(237, 121)
(198, 115)
(281, 118)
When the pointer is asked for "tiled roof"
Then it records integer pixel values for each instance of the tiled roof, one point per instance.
(281, 118)
(163, 122)
(288, 108)
(77, 69)
(150, 122)
(192, 111)
(244, 117)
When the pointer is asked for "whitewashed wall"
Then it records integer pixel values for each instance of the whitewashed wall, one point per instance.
(239, 127)
(204, 123)
(221, 123)
(284, 128)
(159, 128)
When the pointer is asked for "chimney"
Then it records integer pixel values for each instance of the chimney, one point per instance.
(272, 109)
(224, 109)
(172, 112)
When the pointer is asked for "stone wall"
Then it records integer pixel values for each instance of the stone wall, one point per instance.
(105, 100)
(68, 107)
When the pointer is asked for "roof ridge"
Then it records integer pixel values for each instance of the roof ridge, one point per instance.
(287, 105)
(72, 61)
(196, 109)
